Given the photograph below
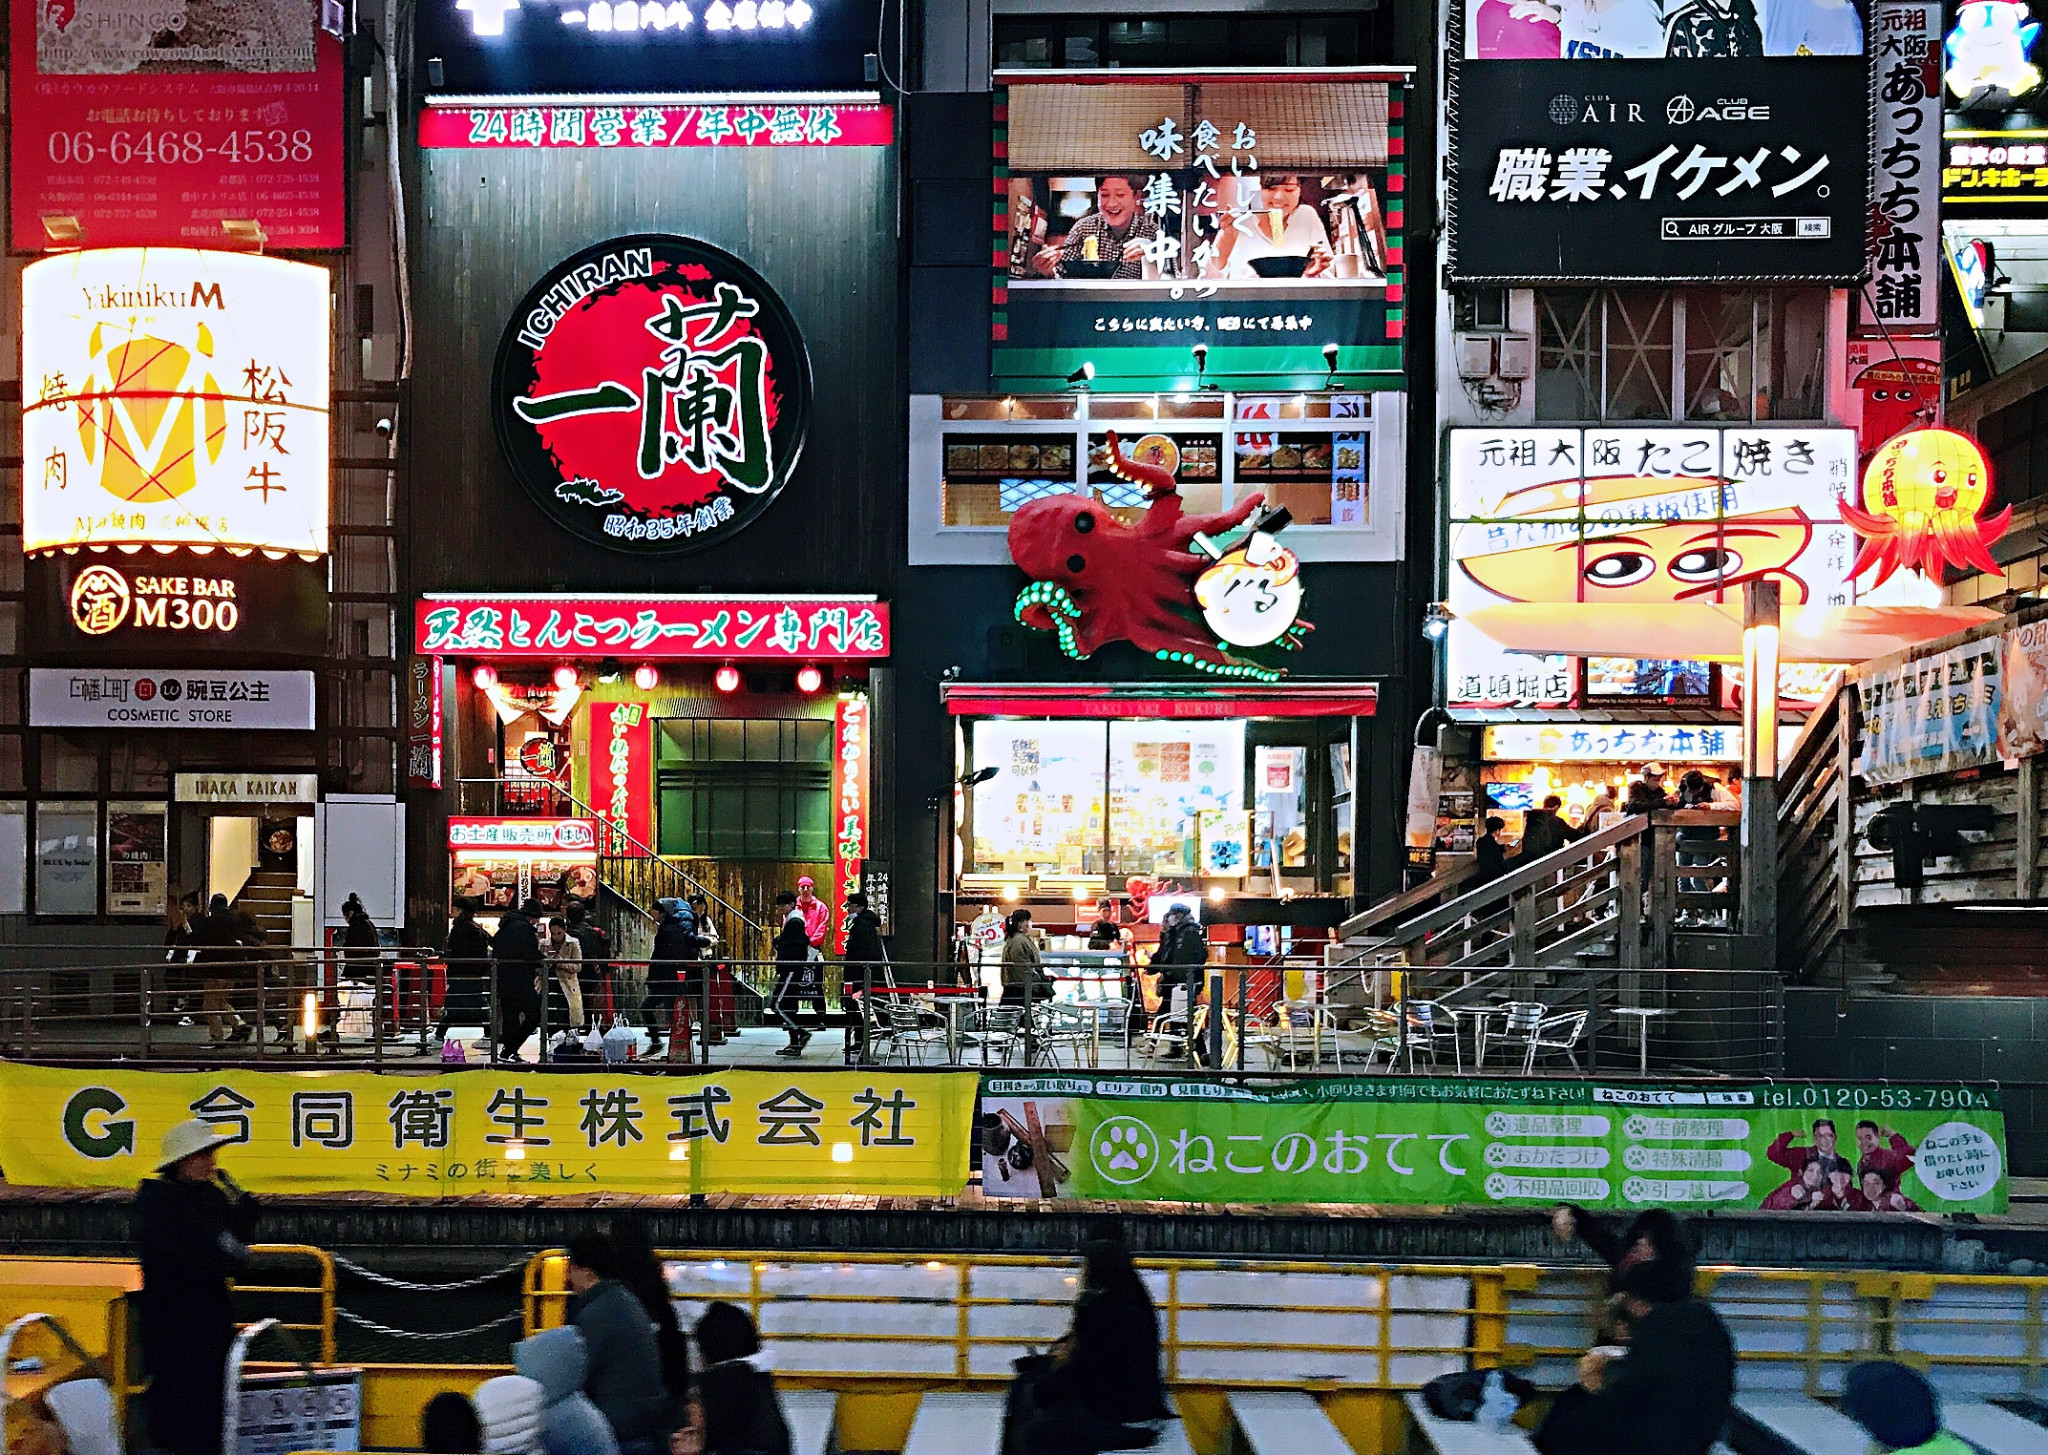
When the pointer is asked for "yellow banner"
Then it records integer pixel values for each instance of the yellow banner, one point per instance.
(884, 1131)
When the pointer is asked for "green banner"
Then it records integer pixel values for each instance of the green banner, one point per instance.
(1472, 1143)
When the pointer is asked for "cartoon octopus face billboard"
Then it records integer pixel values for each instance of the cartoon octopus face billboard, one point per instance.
(652, 394)
(1635, 516)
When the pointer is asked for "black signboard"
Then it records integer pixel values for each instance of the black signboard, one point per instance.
(612, 47)
(652, 394)
(1668, 170)
(179, 609)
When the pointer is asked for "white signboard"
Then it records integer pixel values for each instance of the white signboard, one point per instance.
(67, 858)
(248, 787)
(1932, 715)
(1905, 233)
(102, 697)
(174, 397)
(1634, 514)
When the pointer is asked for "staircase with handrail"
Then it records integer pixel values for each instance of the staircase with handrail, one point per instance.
(632, 877)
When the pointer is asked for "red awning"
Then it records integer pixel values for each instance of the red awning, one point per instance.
(1062, 700)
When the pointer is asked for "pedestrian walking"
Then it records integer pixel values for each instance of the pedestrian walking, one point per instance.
(797, 982)
(1183, 955)
(467, 1000)
(742, 1413)
(219, 958)
(1488, 854)
(517, 955)
(1898, 1409)
(192, 1228)
(675, 946)
(867, 962)
(724, 1015)
(624, 1380)
(594, 970)
(1671, 1394)
(817, 914)
(565, 960)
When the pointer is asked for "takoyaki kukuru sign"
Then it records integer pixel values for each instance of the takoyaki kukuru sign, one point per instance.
(652, 394)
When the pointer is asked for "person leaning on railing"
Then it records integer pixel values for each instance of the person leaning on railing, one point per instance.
(467, 1000)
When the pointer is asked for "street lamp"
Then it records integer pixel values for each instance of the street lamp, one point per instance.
(1760, 600)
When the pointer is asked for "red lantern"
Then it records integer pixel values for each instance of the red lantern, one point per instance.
(565, 677)
(646, 677)
(809, 679)
(727, 678)
(485, 677)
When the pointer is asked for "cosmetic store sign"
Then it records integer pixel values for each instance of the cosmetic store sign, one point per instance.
(169, 698)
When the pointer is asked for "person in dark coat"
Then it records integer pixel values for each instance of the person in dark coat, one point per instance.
(640, 1271)
(796, 977)
(218, 955)
(192, 1226)
(359, 940)
(1182, 955)
(675, 949)
(624, 1380)
(467, 1002)
(1671, 1393)
(1544, 830)
(866, 962)
(1104, 1375)
(516, 948)
(1488, 853)
(742, 1412)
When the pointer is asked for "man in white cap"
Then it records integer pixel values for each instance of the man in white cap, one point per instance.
(192, 1225)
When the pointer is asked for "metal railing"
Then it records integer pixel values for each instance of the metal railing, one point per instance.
(1816, 841)
(849, 1320)
(1624, 891)
(1278, 1017)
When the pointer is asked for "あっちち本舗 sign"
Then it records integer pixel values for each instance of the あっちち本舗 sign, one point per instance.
(652, 394)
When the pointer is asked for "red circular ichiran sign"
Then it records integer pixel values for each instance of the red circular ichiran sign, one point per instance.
(652, 394)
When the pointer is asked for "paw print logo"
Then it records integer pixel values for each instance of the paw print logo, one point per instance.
(1124, 1150)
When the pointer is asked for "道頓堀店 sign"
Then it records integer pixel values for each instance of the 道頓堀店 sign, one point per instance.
(1733, 144)
(174, 397)
(652, 394)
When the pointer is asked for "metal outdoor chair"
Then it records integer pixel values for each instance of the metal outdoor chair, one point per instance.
(1301, 1029)
(1072, 1027)
(1518, 1022)
(1168, 1033)
(996, 1031)
(1430, 1024)
(909, 1037)
(1557, 1035)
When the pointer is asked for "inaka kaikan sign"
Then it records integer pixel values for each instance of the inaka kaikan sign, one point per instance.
(174, 397)
(655, 628)
(652, 394)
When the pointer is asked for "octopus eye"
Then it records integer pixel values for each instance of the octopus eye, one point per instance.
(1084, 522)
(1077, 564)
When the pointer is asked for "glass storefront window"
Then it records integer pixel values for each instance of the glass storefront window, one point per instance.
(1280, 806)
(1041, 814)
(1162, 778)
(996, 455)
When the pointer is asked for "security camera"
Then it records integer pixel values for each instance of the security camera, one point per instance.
(384, 427)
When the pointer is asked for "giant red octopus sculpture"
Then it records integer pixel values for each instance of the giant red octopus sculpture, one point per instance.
(1096, 580)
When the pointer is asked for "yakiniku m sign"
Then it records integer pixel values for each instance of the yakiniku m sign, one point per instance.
(652, 394)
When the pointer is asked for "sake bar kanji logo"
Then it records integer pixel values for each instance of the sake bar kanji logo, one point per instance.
(652, 394)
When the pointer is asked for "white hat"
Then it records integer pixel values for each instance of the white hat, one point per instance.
(188, 1138)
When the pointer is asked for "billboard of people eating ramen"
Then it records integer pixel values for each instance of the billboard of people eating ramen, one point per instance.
(1145, 216)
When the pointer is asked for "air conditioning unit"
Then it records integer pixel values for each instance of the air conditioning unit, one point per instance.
(1475, 355)
(1517, 356)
